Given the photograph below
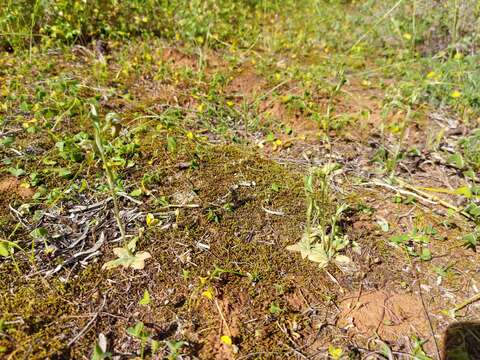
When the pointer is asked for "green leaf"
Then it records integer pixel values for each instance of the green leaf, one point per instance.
(136, 193)
(470, 174)
(329, 168)
(7, 247)
(420, 238)
(442, 271)
(7, 140)
(418, 352)
(275, 309)
(400, 239)
(430, 230)
(17, 172)
(146, 298)
(386, 351)
(135, 330)
(138, 262)
(132, 245)
(64, 173)
(270, 137)
(39, 233)
(174, 346)
(155, 345)
(83, 186)
(425, 255)
(171, 144)
(49, 162)
(334, 352)
(127, 259)
(93, 111)
(473, 209)
(275, 187)
(456, 160)
(117, 161)
(99, 354)
(464, 191)
(151, 220)
(470, 240)
(303, 246)
(138, 331)
(317, 254)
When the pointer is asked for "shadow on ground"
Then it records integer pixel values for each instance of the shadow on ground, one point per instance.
(462, 341)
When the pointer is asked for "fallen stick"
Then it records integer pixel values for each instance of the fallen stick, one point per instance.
(467, 302)
(419, 195)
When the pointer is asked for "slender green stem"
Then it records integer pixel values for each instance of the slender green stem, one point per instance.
(467, 302)
(455, 27)
(110, 180)
(32, 24)
(309, 195)
(405, 125)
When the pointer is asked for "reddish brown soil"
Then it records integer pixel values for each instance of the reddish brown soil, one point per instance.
(387, 315)
(12, 186)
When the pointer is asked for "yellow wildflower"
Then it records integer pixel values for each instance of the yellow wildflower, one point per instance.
(208, 294)
(456, 94)
(227, 340)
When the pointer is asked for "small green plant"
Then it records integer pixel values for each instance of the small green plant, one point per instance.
(100, 349)
(128, 257)
(468, 155)
(323, 239)
(275, 309)
(174, 347)
(138, 331)
(334, 92)
(99, 353)
(335, 352)
(145, 299)
(470, 241)
(39, 234)
(7, 248)
(108, 171)
(416, 242)
(418, 352)
(69, 148)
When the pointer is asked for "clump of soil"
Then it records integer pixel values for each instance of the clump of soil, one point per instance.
(247, 83)
(178, 58)
(384, 313)
(10, 185)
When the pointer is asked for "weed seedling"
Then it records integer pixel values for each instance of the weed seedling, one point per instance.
(138, 331)
(415, 243)
(108, 171)
(128, 257)
(100, 354)
(174, 347)
(7, 249)
(323, 239)
(145, 299)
